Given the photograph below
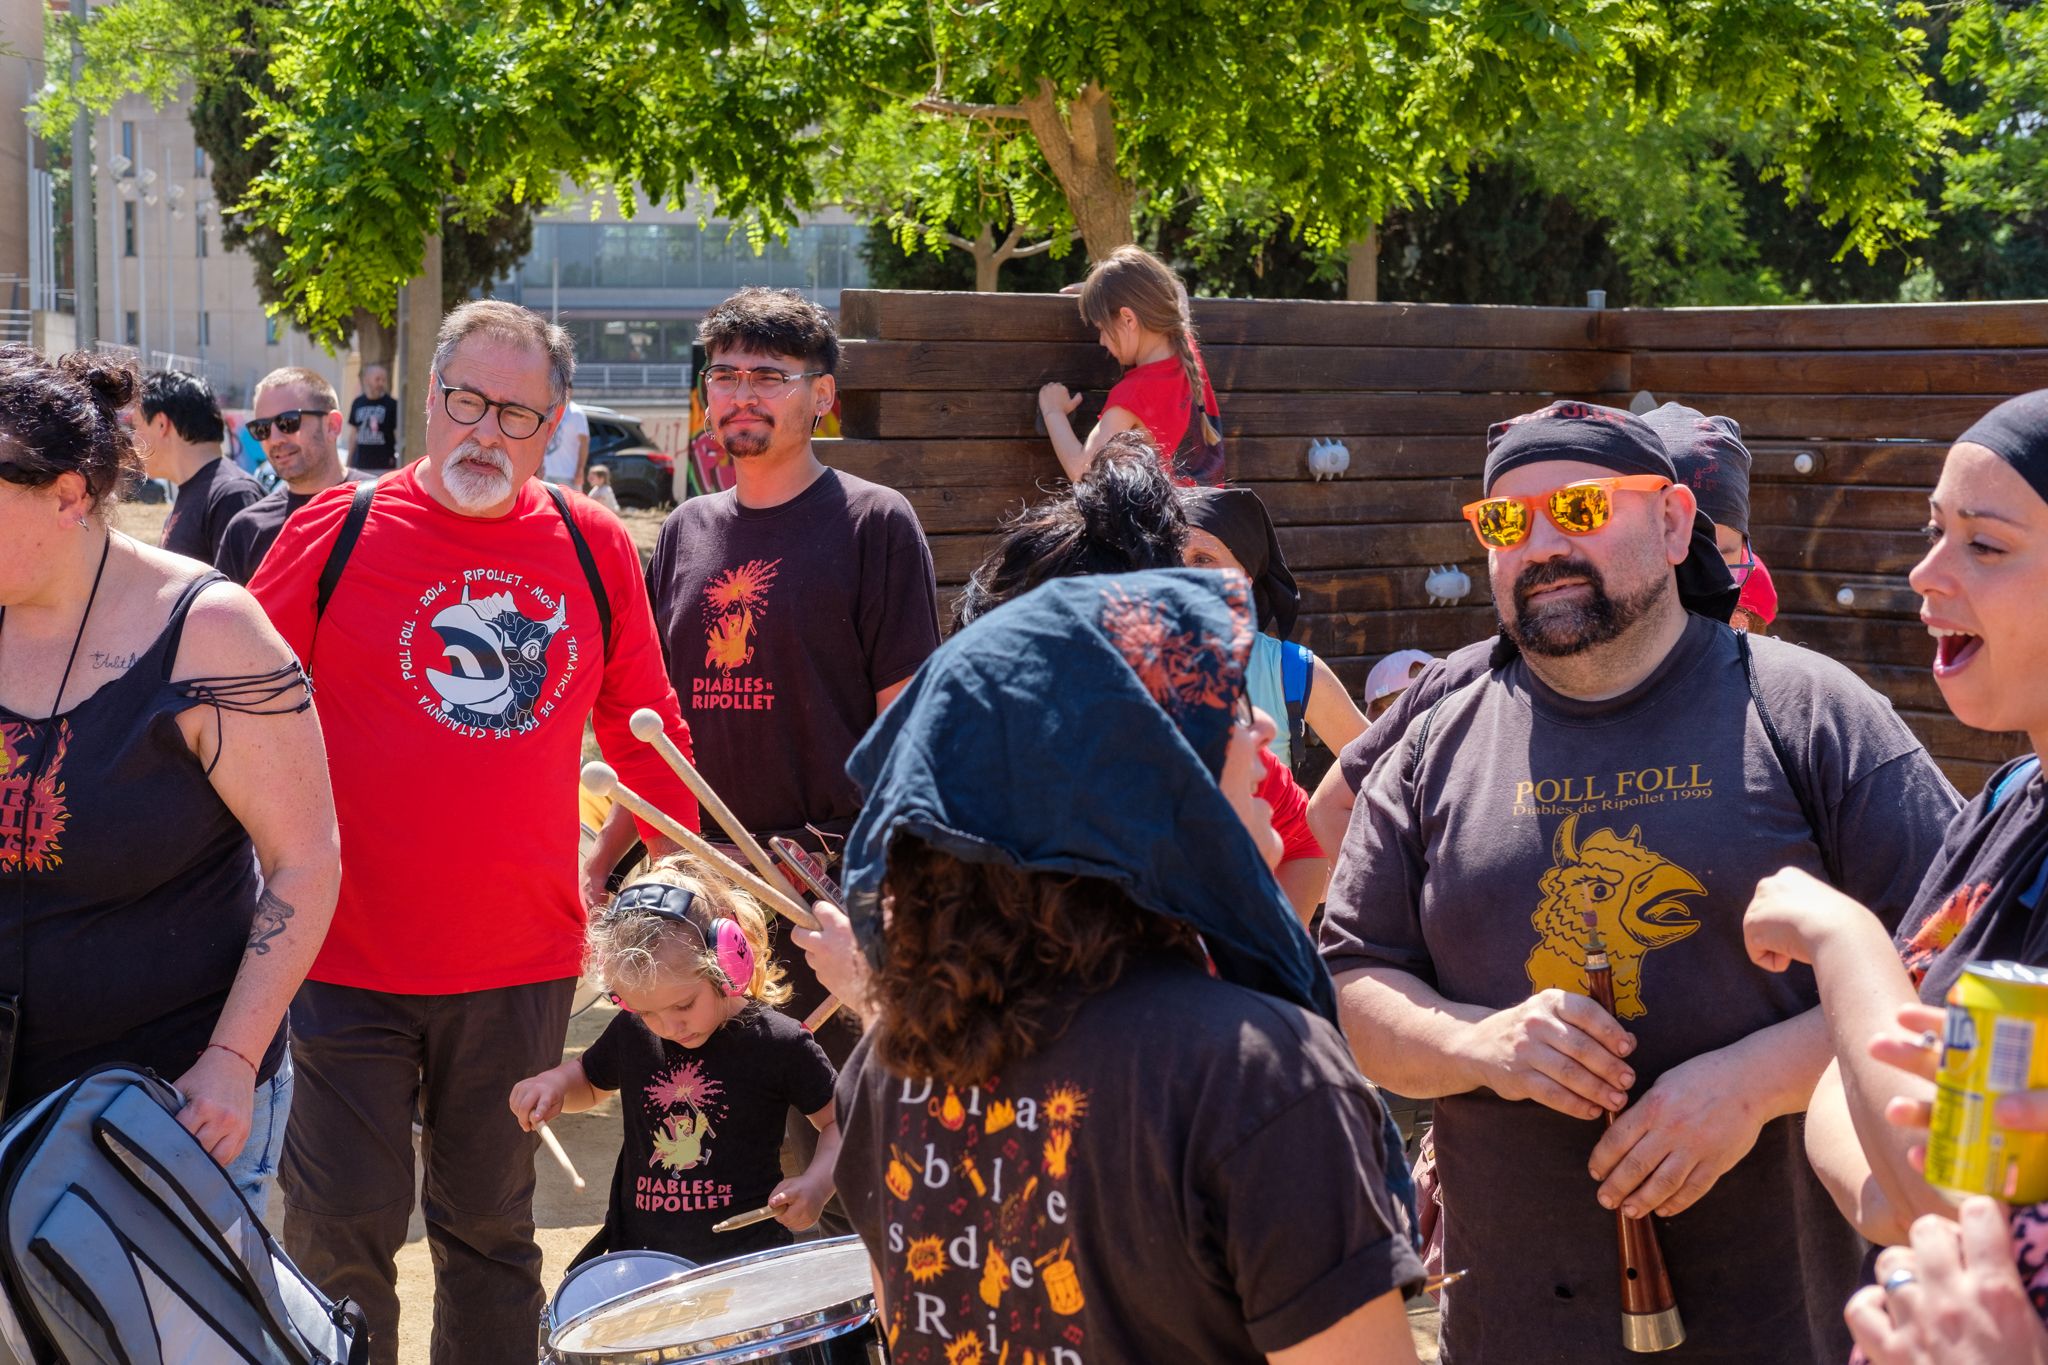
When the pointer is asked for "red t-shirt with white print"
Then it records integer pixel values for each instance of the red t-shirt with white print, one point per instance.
(453, 671)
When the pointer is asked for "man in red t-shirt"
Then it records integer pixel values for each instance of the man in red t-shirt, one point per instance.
(478, 618)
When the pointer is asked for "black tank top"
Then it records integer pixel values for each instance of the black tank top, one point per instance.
(127, 887)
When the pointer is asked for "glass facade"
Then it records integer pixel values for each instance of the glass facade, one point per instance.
(685, 256)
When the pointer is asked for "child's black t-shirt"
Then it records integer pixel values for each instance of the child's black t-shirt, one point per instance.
(704, 1129)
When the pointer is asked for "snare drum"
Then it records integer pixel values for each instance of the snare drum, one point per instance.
(808, 1304)
(605, 1280)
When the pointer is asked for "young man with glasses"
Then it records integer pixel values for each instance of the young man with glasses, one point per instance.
(179, 431)
(464, 619)
(1621, 757)
(296, 423)
(793, 606)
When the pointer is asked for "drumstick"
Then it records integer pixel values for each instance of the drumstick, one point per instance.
(554, 1145)
(818, 1016)
(646, 725)
(603, 781)
(746, 1220)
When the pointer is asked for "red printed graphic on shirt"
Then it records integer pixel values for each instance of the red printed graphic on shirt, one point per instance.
(979, 1260)
(32, 812)
(734, 604)
(500, 672)
(683, 1104)
(1940, 929)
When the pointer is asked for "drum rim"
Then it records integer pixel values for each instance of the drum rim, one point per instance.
(820, 1324)
(555, 1329)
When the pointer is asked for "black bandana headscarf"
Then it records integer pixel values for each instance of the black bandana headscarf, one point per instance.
(1710, 458)
(1587, 433)
(2016, 431)
(1238, 518)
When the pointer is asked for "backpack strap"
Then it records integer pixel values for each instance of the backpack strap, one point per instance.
(1795, 774)
(2021, 774)
(589, 563)
(1297, 675)
(344, 546)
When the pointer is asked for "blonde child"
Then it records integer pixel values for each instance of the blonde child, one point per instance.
(705, 1067)
(1139, 310)
(600, 480)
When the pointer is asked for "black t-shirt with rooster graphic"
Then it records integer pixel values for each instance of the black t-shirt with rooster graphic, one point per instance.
(779, 626)
(1471, 866)
(703, 1130)
(1188, 1170)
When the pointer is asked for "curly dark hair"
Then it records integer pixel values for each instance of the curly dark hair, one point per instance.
(63, 417)
(981, 963)
(1123, 516)
(777, 321)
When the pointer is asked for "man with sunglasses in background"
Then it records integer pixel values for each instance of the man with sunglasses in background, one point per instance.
(464, 619)
(1612, 759)
(296, 422)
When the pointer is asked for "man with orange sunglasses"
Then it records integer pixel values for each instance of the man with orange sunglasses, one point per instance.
(1619, 758)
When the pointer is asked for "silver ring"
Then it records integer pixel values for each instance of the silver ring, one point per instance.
(1930, 1041)
(1898, 1280)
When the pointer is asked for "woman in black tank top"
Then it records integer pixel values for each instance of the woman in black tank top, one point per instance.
(168, 854)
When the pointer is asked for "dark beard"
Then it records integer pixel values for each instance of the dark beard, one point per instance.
(748, 444)
(1562, 629)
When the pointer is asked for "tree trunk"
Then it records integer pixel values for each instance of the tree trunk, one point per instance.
(986, 261)
(376, 340)
(416, 355)
(1080, 147)
(1362, 280)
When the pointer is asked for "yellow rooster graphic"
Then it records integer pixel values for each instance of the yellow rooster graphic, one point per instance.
(1635, 893)
(733, 602)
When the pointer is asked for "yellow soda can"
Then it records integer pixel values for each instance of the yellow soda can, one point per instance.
(1992, 1044)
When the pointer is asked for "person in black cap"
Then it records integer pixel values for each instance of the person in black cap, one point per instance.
(1614, 759)
(1104, 1113)
(1229, 528)
(1986, 897)
(1714, 463)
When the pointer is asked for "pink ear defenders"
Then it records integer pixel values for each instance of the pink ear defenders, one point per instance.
(727, 941)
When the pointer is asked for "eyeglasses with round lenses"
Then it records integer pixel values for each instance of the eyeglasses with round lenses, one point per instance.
(1577, 509)
(468, 407)
(768, 384)
(287, 422)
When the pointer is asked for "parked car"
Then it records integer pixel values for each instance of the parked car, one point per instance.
(641, 475)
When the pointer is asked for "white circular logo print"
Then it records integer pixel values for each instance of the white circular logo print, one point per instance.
(490, 653)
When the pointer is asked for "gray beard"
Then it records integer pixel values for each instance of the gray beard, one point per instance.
(475, 489)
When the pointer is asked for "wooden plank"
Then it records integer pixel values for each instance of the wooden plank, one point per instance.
(937, 463)
(1862, 417)
(892, 415)
(1900, 464)
(1968, 778)
(1896, 643)
(1819, 594)
(1846, 327)
(1866, 554)
(940, 366)
(1385, 589)
(1368, 547)
(1860, 372)
(903, 315)
(1838, 506)
(1943, 734)
(1375, 633)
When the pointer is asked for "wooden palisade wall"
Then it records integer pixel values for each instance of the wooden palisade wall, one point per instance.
(1848, 411)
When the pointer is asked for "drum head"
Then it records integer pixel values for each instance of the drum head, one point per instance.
(743, 1309)
(608, 1279)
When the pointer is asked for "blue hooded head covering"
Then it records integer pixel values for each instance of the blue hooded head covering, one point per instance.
(1080, 729)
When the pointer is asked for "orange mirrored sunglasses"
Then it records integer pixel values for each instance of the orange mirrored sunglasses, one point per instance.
(1577, 509)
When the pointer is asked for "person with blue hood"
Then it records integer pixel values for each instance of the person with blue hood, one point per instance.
(1103, 1113)
(1619, 761)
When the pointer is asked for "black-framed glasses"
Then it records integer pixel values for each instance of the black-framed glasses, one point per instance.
(767, 383)
(468, 407)
(287, 422)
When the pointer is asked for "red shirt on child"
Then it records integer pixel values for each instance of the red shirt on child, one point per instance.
(1157, 395)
